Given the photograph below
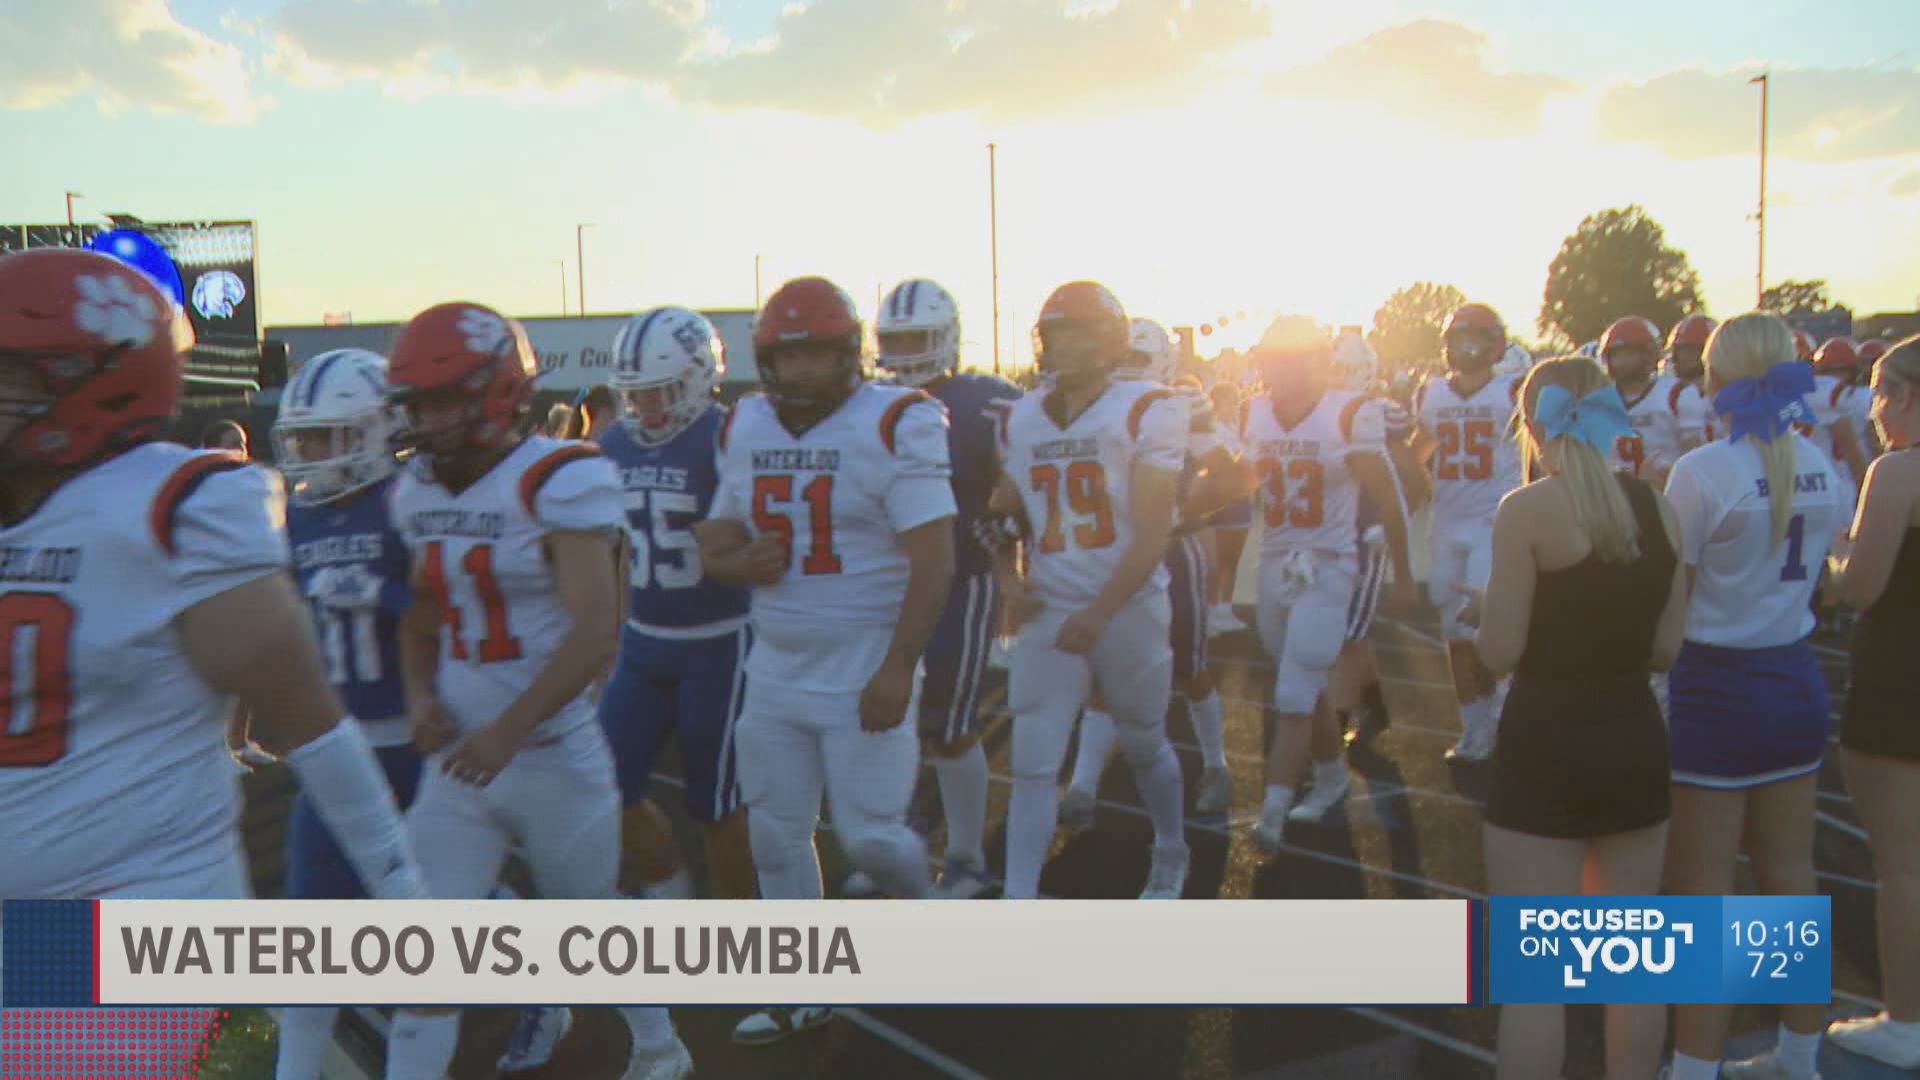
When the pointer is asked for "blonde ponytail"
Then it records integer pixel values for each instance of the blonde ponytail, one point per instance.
(1600, 505)
(1744, 347)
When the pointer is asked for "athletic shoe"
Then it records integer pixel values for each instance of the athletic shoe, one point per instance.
(1167, 877)
(1475, 745)
(961, 879)
(1272, 824)
(1222, 620)
(860, 885)
(534, 1037)
(1320, 799)
(773, 1024)
(1761, 1067)
(1876, 1037)
(670, 1062)
(1215, 795)
(1076, 809)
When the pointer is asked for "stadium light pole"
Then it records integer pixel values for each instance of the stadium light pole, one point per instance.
(72, 195)
(580, 264)
(562, 264)
(1760, 262)
(993, 233)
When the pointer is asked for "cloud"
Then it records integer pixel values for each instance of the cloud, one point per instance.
(1431, 71)
(1814, 114)
(882, 61)
(121, 53)
(500, 46)
(1904, 185)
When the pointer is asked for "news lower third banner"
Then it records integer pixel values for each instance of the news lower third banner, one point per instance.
(58, 953)
(1728, 949)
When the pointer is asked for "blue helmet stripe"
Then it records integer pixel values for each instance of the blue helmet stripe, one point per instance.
(319, 373)
(913, 293)
(640, 336)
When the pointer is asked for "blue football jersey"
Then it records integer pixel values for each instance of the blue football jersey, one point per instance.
(352, 567)
(976, 405)
(668, 488)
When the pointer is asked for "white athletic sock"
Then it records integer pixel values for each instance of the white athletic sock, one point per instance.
(1328, 773)
(1096, 746)
(1033, 813)
(963, 795)
(1692, 1068)
(1476, 715)
(1164, 794)
(305, 1035)
(1208, 730)
(676, 886)
(1796, 1052)
(896, 858)
(1279, 800)
(421, 1047)
(651, 1027)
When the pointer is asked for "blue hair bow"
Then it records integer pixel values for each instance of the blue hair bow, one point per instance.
(1766, 406)
(1596, 419)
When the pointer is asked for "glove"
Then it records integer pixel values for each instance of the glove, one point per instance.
(1298, 572)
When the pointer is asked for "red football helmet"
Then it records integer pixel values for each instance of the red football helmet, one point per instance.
(1687, 345)
(106, 345)
(809, 311)
(1082, 331)
(470, 354)
(1870, 352)
(1838, 356)
(1629, 347)
(1475, 339)
(1803, 345)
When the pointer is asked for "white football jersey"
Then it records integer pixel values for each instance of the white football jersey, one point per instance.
(1308, 495)
(481, 555)
(1076, 483)
(840, 493)
(1692, 415)
(1747, 592)
(1849, 402)
(1475, 459)
(1655, 443)
(113, 762)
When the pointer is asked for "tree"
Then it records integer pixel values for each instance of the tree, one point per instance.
(1406, 329)
(1797, 297)
(1617, 263)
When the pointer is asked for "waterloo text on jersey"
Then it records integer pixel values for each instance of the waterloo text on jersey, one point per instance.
(487, 524)
(1289, 448)
(37, 565)
(1059, 449)
(799, 459)
(412, 950)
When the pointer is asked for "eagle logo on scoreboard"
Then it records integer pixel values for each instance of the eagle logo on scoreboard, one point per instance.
(216, 292)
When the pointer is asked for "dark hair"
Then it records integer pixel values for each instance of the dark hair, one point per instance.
(211, 435)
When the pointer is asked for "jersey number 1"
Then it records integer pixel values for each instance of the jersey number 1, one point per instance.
(499, 644)
(38, 696)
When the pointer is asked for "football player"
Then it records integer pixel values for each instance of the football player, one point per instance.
(836, 506)
(918, 331)
(1213, 477)
(146, 586)
(512, 539)
(1630, 351)
(1466, 423)
(681, 669)
(1317, 449)
(1837, 405)
(1686, 346)
(1092, 466)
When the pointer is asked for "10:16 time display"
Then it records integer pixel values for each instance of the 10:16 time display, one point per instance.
(1758, 937)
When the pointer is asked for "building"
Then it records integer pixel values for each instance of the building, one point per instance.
(575, 353)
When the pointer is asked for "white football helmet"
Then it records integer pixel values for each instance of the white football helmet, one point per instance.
(665, 364)
(1516, 361)
(1354, 362)
(335, 432)
(1149, 353)
(918, 332)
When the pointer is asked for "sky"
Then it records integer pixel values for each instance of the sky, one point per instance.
(1200, 157)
